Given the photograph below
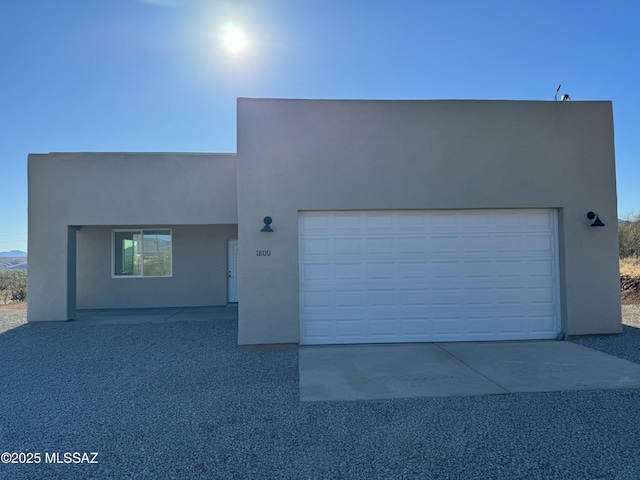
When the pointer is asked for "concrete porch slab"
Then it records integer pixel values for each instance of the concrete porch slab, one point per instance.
(365, 372)
(156, 315)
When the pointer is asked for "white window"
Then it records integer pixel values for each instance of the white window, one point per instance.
(142, 253)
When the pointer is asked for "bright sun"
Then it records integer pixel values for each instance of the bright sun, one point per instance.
(233, 39)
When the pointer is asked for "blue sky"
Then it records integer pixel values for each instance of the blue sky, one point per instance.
(152, 75)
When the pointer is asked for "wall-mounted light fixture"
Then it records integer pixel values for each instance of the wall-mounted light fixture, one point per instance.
(267, 224)
(596, 222)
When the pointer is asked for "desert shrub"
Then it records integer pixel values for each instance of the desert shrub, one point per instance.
(630, 267)
(13, 286)
(629, 238)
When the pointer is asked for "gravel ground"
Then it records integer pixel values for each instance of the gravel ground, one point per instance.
(626, 345)
(12, 316)
(182, 400)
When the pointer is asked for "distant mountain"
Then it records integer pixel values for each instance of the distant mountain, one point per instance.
(152, 245)
(13, 263)
(13, 253)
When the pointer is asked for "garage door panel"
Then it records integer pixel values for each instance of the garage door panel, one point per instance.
(444, 222)
(441, 270)
(434, 296)
(382, 328)
(317, 300)
(544, 295)
(411, 222)
(540, 244)
(413, 327)
(481, 326)
(311, 246)
(538, 221)
(542, 324)
(311, 272)
(351, 328)
(478, 296)
(508, 244)
(476, 269)
(508, 269)
(449, 326)
(348, 271)
(315, 222)
(444, 245)
(473, 245)
(347, 246)
(512, 295)
(412, 246)
(414, 296)
(349, 299)
(540, 268)
(377, 271)
(346, 222)
(510, 324)
(379, 222)
(381, 298)
(476, 221)
(318, 331)
(428, 276)
(412, 270)
(379, 245)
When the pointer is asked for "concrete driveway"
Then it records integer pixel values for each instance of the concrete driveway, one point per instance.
(364, 372)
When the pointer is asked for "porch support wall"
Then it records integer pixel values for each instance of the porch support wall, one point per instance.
(136, 189)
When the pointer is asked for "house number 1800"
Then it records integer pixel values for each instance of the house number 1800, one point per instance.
(263, 253)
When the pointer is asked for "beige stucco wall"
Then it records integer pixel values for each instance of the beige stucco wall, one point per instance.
(88, 189)
(348, 155)
(199, 273)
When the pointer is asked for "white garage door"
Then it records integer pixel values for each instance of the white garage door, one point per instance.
(428, 276)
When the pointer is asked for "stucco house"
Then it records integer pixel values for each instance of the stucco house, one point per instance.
(388, 221)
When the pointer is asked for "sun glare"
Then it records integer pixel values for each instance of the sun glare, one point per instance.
(233, 39)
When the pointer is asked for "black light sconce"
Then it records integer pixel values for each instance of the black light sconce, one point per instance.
(597, 222)
(267, 224)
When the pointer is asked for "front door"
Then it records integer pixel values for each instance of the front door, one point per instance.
(232, 263)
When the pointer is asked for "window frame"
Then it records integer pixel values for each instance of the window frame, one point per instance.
(141, 232)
